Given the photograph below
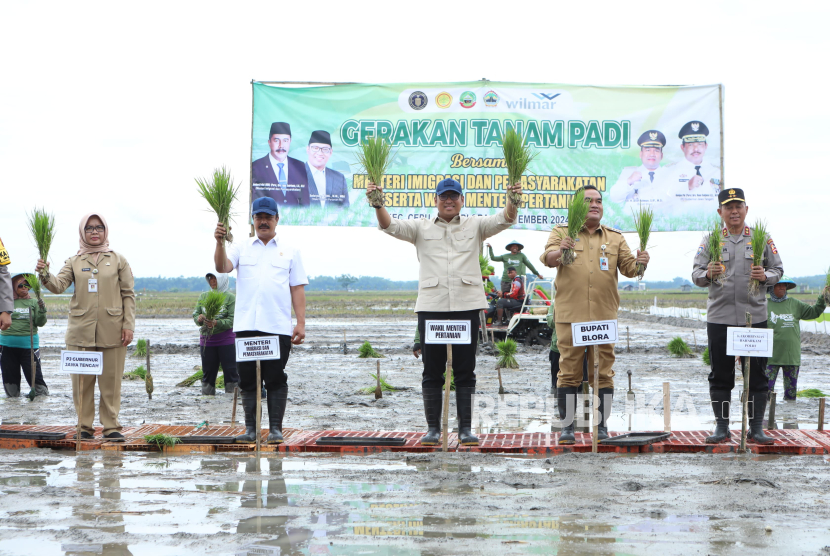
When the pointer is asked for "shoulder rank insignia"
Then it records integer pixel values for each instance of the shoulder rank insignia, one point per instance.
(610, 229)
(725, 232)
(772, 246)
(746, 231)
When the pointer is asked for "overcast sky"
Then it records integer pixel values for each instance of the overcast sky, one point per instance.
(116, 107)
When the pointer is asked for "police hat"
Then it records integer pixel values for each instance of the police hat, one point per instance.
(694, 132)
(652, 138)
(321, 137)
(733, 194)
(280, 128)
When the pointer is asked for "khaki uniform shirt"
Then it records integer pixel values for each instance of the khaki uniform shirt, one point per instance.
(450, 274)
(729, 303)
(97, 318)
(584, 292)
(6, 294)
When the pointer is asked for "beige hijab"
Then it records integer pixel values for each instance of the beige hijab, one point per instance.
(86, 248)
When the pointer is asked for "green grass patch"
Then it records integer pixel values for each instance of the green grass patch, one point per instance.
(162, 441)
(810, 393)
(139, 373)
(140, 348)
(678, 347)
(384, 386)
(367, 351)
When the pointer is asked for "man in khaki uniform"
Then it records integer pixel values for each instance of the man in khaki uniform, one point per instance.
(587, 291)
(449, 288)
(6, 294)
(101, 318)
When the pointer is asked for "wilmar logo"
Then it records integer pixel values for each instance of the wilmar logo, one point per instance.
(539, 101)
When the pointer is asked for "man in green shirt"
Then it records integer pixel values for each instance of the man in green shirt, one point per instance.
(514, 258)
(783, 316)
(16, 344)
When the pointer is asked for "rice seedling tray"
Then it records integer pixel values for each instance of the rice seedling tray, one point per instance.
(32, 435)
(636, 439)
(207, 439)
(360, 441)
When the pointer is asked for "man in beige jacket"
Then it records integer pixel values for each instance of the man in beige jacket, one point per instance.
(449, 288)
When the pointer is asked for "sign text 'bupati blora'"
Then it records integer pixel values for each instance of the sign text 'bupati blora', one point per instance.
(594, 333)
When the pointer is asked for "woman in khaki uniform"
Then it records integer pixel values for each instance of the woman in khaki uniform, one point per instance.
(101, 318)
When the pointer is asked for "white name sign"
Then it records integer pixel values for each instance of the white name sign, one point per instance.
(82, 362)
(752, 342)
(448, 332)
(594, 333)
(251, 349)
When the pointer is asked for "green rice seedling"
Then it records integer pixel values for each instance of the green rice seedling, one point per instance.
(139, 373)
(643, 221)
(162, 441)
(140, 348)
(713, 244)
(758, 241)
(42, 228)
(34, 285)
(211, 305)
(197, 377)
(367, 351)
(375, 156)
(678, 347)
(810, 393)
(220, 193)
(384, 386)
(577, 214)
(507, 354)
(706, 359)
(827, 287)
(517, 157)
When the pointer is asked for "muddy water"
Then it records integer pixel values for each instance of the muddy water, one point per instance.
(323, 382)
(96, 503)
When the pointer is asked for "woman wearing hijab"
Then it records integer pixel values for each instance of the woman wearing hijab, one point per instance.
(16, 345)
(217, 339)
(101, 318)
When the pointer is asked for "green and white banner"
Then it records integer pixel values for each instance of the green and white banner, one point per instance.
(655, 146)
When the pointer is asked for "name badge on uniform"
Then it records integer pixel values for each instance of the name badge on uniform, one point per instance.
(603, 260)
(92, 285)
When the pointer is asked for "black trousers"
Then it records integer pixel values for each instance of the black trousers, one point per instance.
(722, 375)
(435, 355)
(272, 371)
(13, 359)
(510, 304)
(212, 356)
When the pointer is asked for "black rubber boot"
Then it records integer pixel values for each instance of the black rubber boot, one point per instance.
(432, 411)
(562, 395)
(248, 400)
(229, 387)
(277, 399)
(758, 405)
(605, 395)
(464, 410)
(41, 390)
(12, 389)
(208, 389)
(720, 400)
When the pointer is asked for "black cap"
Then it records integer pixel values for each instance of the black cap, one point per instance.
(652, 138)
(731, 195)
(694, 132)
(320, 136)
(280, 128)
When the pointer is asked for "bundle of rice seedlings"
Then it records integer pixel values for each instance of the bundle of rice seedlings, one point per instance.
(34, 285)
(139, 373)
(706, 359)
(643, 221)
(367, 351)
(577, 214)
(714, 248)
(517, 157)
(162, 441)
(220, 194)
(507, 354)
(678, 347)
(211, 306)
(810, 393)
(384, 386)
(758, 241)
(375, 157)
(42, 228)
(827, 287)
(197, 377)
(140, 348)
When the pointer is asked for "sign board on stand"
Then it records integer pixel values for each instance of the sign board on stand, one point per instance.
(594, 333)
(750, 342)
(260, 347)
(82, 362)
(448, 332)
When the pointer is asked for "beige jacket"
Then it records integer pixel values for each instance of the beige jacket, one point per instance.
(450, 275)
(96, 319)
(585, 292)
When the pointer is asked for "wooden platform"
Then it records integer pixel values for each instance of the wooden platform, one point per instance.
(798, 442)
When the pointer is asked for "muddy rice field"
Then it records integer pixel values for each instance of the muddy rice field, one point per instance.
(57, 502)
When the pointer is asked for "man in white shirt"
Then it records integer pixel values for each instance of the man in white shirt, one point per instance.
(325, 186)
(640, 184)
(693, 184)
(270, 280)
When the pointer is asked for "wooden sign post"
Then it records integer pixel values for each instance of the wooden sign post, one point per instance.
(258, 349)
(81, 363)
(447, 332)
(595, 333)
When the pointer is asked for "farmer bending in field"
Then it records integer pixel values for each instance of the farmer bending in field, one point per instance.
(449, 288)
(270, 280)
